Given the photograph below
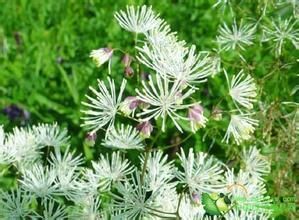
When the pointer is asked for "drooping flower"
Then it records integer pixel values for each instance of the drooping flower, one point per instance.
(243, 91)
(145, 128)
(255, 163)
(280, 32)
(104, 107)
(110, 171)
(101, 55)
(238, 36)
(138, 20)
(123, 138)
(240, 127)
(201, 173)
(163, 100)
(196, 117)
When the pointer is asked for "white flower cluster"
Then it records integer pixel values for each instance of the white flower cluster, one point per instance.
(148, 191)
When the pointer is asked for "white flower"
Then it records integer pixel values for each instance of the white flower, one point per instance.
(188, 210)
(50, 135)
(134, 199)
(67, 171)
(104, 107)
(124, 138)
(255, 163)
(238, 36)
(201, 173)
(164, 100)
(22, 147)
(52, 211)
(101, 55)
(158, 171)
(109, 171)
(178, 63)
(240, 127)
(280, 32)
(40, 181)
(243, 91)
(15, 205)
(138, 20)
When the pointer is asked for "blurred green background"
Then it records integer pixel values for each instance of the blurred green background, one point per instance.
(45, 69)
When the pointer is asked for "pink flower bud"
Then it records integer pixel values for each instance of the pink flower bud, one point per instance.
(90, 139)
(129, 105)
(145, 128)
(126, 60)
(196, 117)
(129, 72)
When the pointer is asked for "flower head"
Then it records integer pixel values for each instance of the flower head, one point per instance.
(124, 138)
(240, 127)
(201, 173)
(238, 36)
(50, 135)
(40, 181)
(110, 171)
(104, 107)
(101, 55)
(243, 91)
(255, 163)
(163, 99)
(15, 205)
(134, 198)
(280, 32)
(138, 20)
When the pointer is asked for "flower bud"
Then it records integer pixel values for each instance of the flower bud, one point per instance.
(145, 128)
(216, 114)
(129, 105)
(101, 55)
(128, 71)
(126, 60)
(90, 139)
(196, 117)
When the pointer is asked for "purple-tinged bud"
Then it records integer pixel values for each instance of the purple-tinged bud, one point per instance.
(196, 117)
(126, 60)
(129, 105)
(90, 139)
(196, 198)
(128, 71)
(145, 128)
(101, 55)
